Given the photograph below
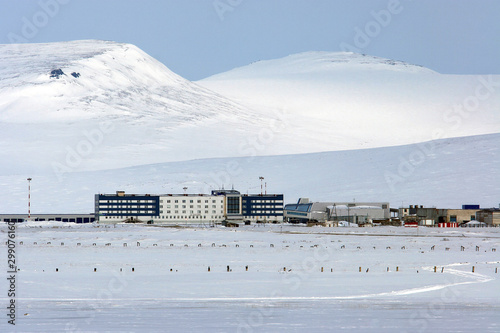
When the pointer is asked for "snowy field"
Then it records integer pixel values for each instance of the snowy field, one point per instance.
(137, 278)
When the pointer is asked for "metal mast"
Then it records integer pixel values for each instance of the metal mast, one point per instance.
(29, 198)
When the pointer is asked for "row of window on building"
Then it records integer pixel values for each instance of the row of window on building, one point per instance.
(174, 217)
(190, 201)
(190, 206)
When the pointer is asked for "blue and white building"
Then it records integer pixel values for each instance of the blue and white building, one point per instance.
(159, 209)
(214, 208)
(248, 208)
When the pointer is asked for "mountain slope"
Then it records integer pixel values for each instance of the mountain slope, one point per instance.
(92, 105)
(352, 101)
(110, 104)
(444, 173)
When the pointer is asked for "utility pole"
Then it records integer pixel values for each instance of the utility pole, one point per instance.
(29, 198)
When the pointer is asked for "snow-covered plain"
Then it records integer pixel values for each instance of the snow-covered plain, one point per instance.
(159, 281)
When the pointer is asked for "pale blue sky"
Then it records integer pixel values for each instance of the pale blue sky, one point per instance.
(199, 38)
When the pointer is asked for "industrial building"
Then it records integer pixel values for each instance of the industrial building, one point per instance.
(489, 216)
(331, 213)
(218, 207)
(431, 216)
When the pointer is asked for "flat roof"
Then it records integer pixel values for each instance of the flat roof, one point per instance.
(155, 195)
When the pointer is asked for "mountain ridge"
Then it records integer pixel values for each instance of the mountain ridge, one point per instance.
(369, 101)
(109, 106)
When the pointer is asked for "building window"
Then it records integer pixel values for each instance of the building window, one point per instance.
(233, 205)
(453, 218)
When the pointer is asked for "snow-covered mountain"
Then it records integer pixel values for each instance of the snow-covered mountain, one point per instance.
(445, 173)
(95, 105)
(91, 105)
(93, 116)
(342, 100)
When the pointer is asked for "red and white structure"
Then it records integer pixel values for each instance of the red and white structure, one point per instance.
(29, 198)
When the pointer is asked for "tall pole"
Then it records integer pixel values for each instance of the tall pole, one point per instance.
(29, 198)
(261, 179)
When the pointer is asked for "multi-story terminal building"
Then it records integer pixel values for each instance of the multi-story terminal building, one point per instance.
(165, 208)
(214, 208)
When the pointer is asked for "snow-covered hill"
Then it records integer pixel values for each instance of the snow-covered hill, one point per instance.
(349, 101)
(93, 116)
(445, 173)
(94, 105)
(89, 105)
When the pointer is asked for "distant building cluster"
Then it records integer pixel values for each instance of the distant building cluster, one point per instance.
(469, 215)
(232, 208)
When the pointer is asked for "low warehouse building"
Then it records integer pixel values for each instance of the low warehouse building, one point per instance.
(323, 212)
(75, 218)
